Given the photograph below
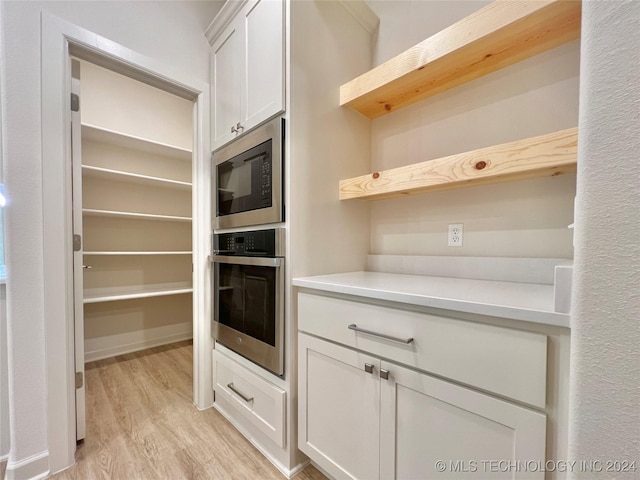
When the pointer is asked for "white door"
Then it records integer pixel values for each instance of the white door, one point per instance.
(78, 267)
(338, 409)
(264, 74)
(226, 63)
(424, 421)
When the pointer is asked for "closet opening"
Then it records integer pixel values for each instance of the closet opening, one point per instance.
(133, 276)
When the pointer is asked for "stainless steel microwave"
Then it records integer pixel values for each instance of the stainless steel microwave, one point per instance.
(247, 181)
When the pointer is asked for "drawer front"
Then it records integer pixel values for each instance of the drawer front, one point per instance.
(507, 362)
(258, 400)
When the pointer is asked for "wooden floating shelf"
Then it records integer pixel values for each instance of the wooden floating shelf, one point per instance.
(543, 156)
(496, 36)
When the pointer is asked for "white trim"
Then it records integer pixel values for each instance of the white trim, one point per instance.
(363, 14)
(58, 38)
(33, 467)
(112, 345)
(201, 227)
(224, 17)
(4, 458)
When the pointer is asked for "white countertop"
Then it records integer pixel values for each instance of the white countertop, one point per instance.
(518, 301)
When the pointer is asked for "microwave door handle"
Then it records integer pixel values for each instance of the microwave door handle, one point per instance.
(253, 261)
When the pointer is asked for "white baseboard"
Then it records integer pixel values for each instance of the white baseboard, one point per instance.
(112, 345)
(4, 458)
(34, 467)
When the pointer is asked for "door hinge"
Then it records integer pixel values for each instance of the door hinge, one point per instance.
(77, 242)
(75, 102)
(79, 380)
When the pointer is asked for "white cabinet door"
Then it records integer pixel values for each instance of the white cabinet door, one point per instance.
(263, 95)
(226, 77)
(425, 420)
(338, 409)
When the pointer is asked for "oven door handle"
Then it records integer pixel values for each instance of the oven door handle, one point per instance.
(257, 261)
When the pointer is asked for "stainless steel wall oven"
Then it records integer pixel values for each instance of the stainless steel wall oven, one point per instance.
(248, 291)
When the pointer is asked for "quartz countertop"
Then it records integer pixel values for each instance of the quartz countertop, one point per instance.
(518, 301)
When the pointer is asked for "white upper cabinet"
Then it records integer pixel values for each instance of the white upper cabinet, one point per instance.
(247, 62)
(226, 62)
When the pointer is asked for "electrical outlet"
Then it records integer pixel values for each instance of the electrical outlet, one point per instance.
(454, 238)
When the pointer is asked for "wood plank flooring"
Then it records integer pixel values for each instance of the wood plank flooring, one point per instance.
(142, 424)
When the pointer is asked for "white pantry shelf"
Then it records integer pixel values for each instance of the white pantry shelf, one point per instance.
(113, 253)
(122, 176)
(112, 137)
(142, 216)
(112, 294)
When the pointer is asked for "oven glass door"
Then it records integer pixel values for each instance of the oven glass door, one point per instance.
(248, 308)
(244, 182)
(247, 300)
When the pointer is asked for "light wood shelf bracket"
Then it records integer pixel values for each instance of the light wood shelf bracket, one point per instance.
(498, 35)
(543, 156)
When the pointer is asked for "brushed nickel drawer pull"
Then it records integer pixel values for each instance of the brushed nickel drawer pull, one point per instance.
(355, 328)
(246, 399)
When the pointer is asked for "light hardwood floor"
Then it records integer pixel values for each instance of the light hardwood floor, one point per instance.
(141, 424)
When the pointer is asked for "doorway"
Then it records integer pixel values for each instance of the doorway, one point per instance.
(132, 201)
(61, 40)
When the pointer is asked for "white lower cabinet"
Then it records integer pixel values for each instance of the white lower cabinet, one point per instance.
(339, 408)
(257, 400)
(424, 421)
(365, 418)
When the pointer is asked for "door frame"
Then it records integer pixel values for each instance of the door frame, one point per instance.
(59, 40)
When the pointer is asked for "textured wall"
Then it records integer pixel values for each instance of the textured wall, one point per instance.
(605, 390)
(169, 32)
(533, 97)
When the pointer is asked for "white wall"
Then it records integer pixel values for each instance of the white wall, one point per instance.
(605, 390)
(536, 96)
(4, 380)
(168, 32)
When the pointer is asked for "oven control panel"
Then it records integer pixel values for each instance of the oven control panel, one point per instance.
(258, 243)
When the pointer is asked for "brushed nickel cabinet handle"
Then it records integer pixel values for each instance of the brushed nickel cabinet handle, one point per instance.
(384, 374)
(355, 328)
(232, 388)
(368, 368)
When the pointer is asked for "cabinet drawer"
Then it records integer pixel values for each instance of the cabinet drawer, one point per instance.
(263, 403)
(507, 362)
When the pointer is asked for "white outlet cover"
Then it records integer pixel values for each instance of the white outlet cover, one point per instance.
(454, 238)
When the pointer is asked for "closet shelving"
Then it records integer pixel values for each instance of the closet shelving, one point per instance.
(98, 134)
(98, 295)
(129, 208)
(137, 253)
(119, 175)
(501, 34)
(150, 216)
